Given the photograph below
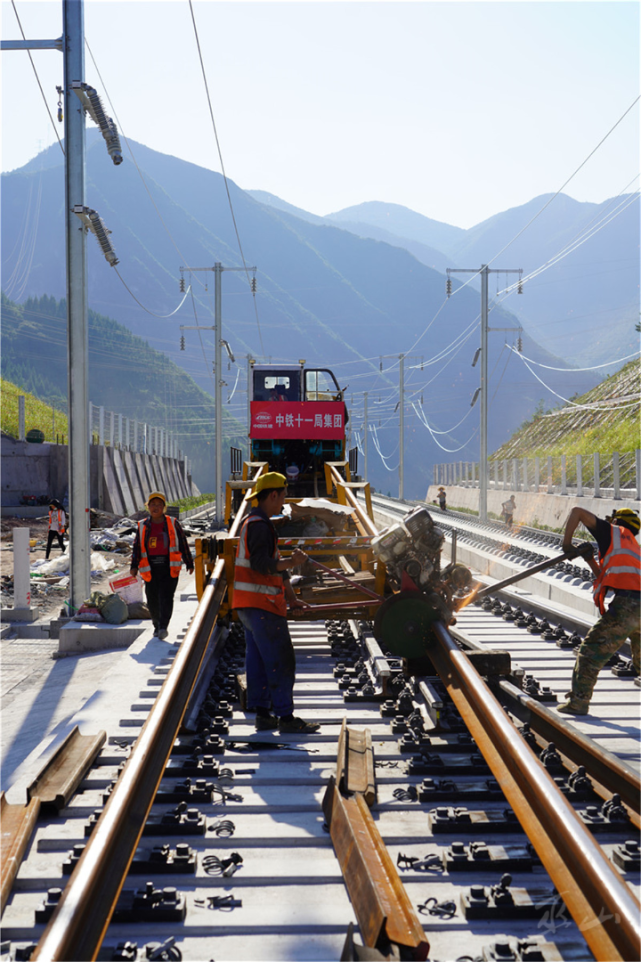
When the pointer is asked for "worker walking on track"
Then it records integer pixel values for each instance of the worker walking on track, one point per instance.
(620, 572)
(261, 594)
(159, 551)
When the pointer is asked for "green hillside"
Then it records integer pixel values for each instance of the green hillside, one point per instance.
(126, 376)
(604, 420)
(38, 414)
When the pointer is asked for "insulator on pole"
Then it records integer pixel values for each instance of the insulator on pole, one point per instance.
(448, 287)
(182, 342)
(476, 394)
(94, 222)
(476, 356)
(182, 285)
(253, 285)
(90, 100)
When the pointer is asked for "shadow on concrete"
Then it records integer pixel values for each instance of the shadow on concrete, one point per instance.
(23, 730)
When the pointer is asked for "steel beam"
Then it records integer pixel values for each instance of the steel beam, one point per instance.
(58, 780)
(18, 824)
(383, 909)
(32, 44)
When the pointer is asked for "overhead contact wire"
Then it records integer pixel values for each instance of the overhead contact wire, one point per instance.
(222, 167)
(55, 129)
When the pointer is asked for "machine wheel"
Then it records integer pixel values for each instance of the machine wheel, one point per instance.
(403, 624)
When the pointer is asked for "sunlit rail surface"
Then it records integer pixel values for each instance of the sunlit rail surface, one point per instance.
(489, 826)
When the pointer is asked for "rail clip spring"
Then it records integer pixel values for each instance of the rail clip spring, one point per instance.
(225, 866)
(445, 910)
(431, 860)
(223, 827)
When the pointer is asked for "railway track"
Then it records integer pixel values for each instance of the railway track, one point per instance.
(254, 860)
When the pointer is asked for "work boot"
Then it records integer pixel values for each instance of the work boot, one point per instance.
(266, 723)
(162, 633)
(297, 726)
(575, 706)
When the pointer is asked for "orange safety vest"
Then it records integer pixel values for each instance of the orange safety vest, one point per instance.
(252, 589)
(620, 566)
(61, 527)
(175, 557)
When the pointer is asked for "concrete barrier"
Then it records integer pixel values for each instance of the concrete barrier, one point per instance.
(534, 509)
(120, 479)
(76, 636)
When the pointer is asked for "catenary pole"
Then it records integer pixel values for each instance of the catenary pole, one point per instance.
(218, 268)
(218, 381)
(485, 272)
(484, 397)
(365, 433)
(77, 335)
(401, 421)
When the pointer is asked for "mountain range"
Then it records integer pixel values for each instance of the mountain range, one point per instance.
(583, 305)
(350, 292)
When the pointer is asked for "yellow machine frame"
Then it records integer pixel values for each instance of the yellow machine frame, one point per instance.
(352, 550)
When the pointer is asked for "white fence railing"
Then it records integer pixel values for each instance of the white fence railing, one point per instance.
(129, 434)
(613, 476)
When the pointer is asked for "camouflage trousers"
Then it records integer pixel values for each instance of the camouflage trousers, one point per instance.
(619, 622)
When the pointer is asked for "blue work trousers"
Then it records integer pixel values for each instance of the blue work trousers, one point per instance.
(270, 663)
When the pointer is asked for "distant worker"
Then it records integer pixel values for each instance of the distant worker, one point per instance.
(508, 510)
(442, 500)
(159, 551)
(57, 523)
(262, 592)
(620, 572)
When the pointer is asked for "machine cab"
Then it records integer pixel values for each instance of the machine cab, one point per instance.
(298, 421)
(278, 383)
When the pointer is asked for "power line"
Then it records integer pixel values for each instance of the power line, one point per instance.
(568, 400)
(571, 370)
(554, 196)
(222, 167)
(576, 243)
(153, 314)
(55, 129)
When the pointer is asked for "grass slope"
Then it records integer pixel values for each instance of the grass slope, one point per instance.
(38, 414)
(604, 419)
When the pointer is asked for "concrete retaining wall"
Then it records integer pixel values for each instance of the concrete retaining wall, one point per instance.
(532, 508)
(119, 480)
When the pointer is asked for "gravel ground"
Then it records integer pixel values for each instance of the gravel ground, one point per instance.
(47, 597)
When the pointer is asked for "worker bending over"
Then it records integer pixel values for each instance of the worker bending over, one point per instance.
(262, 591)
(620, 572)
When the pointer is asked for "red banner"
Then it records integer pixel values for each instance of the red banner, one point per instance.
(308, 420)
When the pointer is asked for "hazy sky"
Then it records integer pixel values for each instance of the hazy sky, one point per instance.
(455, 109)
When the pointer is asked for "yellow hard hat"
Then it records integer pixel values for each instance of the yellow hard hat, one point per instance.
(156, 494)
(270, 480)
(628, 518)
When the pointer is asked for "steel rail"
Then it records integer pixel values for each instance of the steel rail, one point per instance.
(18, 825)
(604, 767)
(599, 900)
(78, 925)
